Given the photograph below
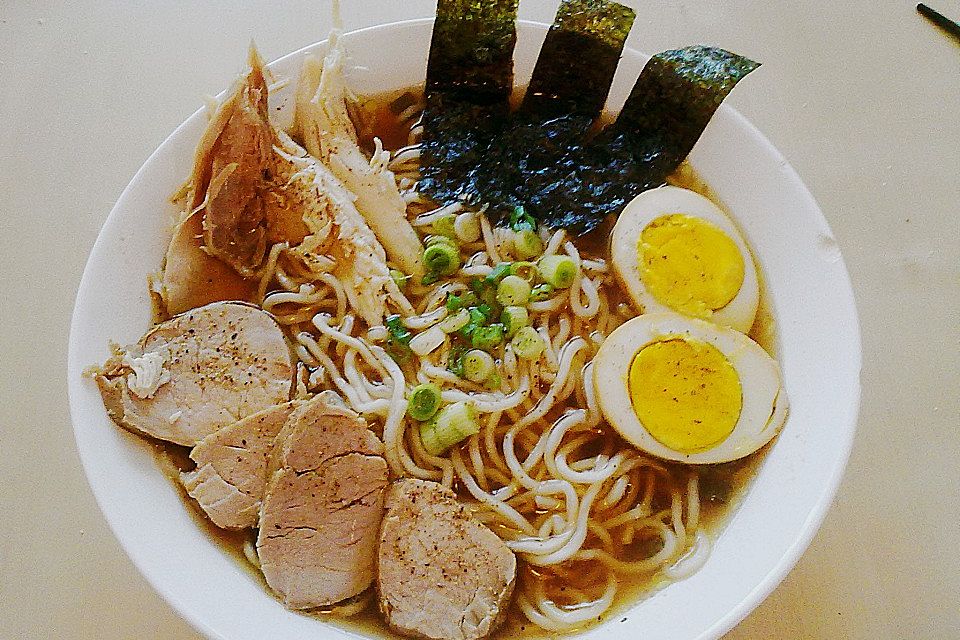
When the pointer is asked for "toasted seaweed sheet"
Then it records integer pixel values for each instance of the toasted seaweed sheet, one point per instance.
(544, 155)
(469, 80)
(669, 107)
(566, 94)
(676, 95)
(577, 61)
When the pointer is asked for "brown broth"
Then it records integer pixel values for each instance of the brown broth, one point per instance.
(722, 486)
(173, 459)
(380, 118)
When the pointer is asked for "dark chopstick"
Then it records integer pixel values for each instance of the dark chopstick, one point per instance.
(939, 19)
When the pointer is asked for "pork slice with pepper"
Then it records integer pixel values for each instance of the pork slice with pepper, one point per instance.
(231, 472)
(198, 372)
(441, 574)
(322, 507)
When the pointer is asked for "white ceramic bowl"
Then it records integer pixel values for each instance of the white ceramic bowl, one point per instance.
(810, 294)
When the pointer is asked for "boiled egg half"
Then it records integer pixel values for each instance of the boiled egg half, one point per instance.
(684, 389)
(675, 250)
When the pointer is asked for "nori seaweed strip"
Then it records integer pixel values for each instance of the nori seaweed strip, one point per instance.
(471, 50)
(469, 80)
(541, 157)
(566, 94)
(578, 59)
(673, 100)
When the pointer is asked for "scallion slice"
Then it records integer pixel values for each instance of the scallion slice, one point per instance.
(477, 365)
(541, 292)
(494, 382)
(399, 278)
(398, 332)
(487, 337)
(445, 226)
(440, 239)
(514, 318)
(501, 271)
(527, 343)
(527, 244)
(558, 270)
(476, 321)
(441, 259)
(520, 219)
(464, 300)
(524, 269)
(513, 290)
(467, 226)
(451, 425)
(424, 401)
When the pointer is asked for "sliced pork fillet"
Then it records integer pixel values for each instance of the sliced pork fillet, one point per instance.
(440, 574)
(231, 472)
(197, 372)
(322, 507)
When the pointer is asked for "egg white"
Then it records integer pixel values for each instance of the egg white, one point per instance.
(740, 312)
(764, 408)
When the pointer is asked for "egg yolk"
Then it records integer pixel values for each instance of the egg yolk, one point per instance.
(685, 393)
(689, 264)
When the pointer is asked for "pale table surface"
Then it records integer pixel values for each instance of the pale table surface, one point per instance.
(861, 96)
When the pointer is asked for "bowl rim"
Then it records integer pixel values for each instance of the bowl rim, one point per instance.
(819, 511)
(764, 587)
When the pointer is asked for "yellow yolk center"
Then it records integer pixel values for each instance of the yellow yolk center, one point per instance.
(685, 393)
(689, 265)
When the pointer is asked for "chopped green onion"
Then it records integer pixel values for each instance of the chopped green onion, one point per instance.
(479, 315)
(487, 311)
(440, 239)
(527, 343)
(398, 333)
(485, 291)
(558, 270)
(455, 321)
(527, 244)
(526, 270)
(457, 302)
(501, 271)
(520, 219)
(441, 259)
(487, 337)
(477, 365)
(513, 290)
(478, 285)
(444, 226)
(452, 424)
(467, 226)
(513, 318)
(488, 300)
(399, 278)
(454, 303)
(541, 292)
(455, 359)
(423, 402)
(398, 339)
(493, 382)
(477, 320)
